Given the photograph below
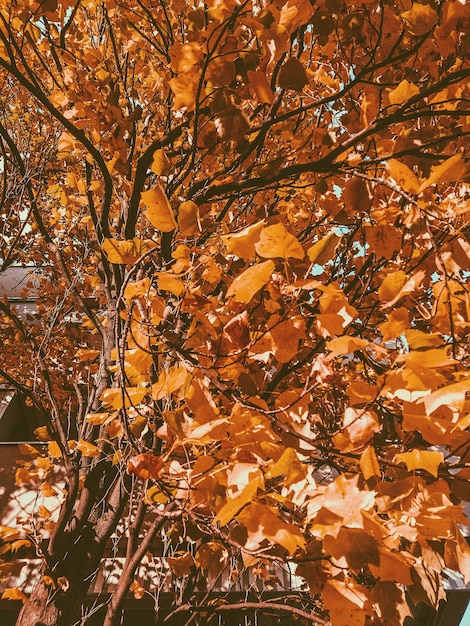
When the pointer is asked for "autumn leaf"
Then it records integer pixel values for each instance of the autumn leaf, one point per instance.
(87, 449)
(185, 87)
(169, 381)
(181, 564)
(323, 250)
(402, 93)
(397, 285)
(292, 75)
(369, 463)
(403, 176)
(188, 218)
(145, 465)
(453, 169)
(242, 243)
(276, 241)
(13, 593)
(419, 19)
(428, 460)
(159, 211)
(260, 86)
(126, 252)
(118, 398)
(346, 601)
(211, 557)
(258, 517)
(249, 282)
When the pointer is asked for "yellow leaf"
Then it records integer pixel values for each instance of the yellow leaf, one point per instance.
(169, 282)
(87, 449)
(13, 593)
(96, 418)
(138, 425)
(451, 170)
(127, 251)
(54, 450)
(139, 359)
(242, 244)
(42, 433)
(237, 502)
(7, 533)
(369, 464)
(137, 590)
(428, 460)
(403, 176)
(244, 287)
(137, 289)
(169, 381)
(260, 85)
(419, 19)
(160, 165)
(188, 218)
(263, 522)
(132, 396)
(451, 395)
(275, 241)
(403, 92)
(324, 250)
(159, 211)
(346, 601)
(345, 345)
(288, 465)
(87, 355)
(398, 284)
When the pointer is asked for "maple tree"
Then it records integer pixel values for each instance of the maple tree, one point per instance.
(250, 221)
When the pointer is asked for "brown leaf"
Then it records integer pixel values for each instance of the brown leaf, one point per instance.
(293, 75)
(145, 465)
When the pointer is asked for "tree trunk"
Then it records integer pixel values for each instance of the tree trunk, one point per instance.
(51, 607)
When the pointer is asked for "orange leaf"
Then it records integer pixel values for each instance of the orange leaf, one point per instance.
(403, 92)
(260, 85)
(346, 601)
(323, 251)
(369, 464)
(397, 285)
(145, 466)
(419, 19)
(159, 211)
(131, 395)
(275, 241)
(242, 244)
(181, 565)
(403, 176)
(453, 169)
(244, 287)
(88, 449)
(13, 593)
(188, 218)
(428, 460)
(169, 381)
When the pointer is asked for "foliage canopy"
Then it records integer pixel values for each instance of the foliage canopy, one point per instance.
(251, 340)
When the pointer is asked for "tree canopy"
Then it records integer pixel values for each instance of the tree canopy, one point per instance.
(250, 226)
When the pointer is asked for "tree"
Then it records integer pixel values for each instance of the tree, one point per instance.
(251, 221)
